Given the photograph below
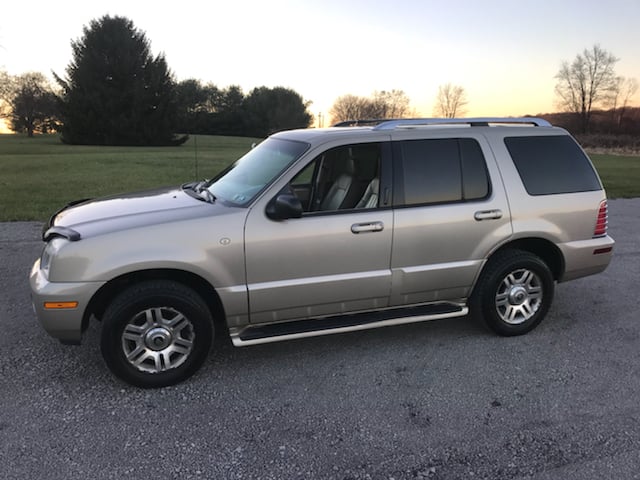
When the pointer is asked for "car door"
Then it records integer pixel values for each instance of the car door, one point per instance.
(335, 258)
(450, 211)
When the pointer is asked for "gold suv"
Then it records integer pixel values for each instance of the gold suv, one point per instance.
(322, 231)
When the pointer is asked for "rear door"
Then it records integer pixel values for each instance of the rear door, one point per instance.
(450, 210)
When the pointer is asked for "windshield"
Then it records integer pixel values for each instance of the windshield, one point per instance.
(244, 179)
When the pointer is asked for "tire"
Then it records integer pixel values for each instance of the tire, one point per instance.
(156, 333)
(514, 292)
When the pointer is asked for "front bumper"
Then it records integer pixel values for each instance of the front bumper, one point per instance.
(65, 324)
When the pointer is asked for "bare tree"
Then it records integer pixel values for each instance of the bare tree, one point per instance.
(624, 91)
(391, 104)
(348, 107)
(586, 83)
(450, 102)
(382, 104)
(6, 91)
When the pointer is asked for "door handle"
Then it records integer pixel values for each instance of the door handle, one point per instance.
(367, 227)
(487, 215)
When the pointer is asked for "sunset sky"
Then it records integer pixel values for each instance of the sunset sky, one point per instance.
(504, 53)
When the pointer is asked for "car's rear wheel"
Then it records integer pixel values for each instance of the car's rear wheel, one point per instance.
(514, 292)
(156, 333)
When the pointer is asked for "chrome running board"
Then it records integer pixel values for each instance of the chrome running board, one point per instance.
(277, 332)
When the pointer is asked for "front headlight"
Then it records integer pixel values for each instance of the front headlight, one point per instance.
(50, 250)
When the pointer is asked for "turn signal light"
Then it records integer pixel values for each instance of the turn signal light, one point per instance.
(60, 305)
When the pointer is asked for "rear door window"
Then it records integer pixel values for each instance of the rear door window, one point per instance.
(440, 170)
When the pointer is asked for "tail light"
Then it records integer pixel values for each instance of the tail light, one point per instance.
(602, 220)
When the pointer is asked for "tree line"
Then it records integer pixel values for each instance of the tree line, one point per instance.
(207, 109)
(115, 92)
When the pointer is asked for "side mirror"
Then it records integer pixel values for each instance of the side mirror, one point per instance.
(284, 206)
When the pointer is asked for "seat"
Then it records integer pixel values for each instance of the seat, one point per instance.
(370, 196)
(338, 193)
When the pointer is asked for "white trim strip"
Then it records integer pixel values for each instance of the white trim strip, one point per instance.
(318, 280)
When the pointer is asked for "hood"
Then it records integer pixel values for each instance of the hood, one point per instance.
(133, 210)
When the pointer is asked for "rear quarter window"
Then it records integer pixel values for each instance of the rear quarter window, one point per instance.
(551, 165)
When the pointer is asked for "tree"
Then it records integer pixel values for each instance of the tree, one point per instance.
(33, 105)
(194, 97)
(231, 99)
(625, 89)
(381, 105)
(6, 90)
(230, 118)
(28, 102)
(450, 102)
(350, 107)
(195, 103)
(6, 82)
(391, 104)
(116, 92)
(269, 110)
(586, 83)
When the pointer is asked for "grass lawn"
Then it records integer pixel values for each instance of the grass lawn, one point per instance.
(39, 175)
(619, 173)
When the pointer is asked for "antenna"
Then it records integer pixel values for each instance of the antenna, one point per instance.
(195, 148)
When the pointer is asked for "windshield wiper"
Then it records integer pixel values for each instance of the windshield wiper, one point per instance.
(207, 195)
(200, 188)
(203, 191)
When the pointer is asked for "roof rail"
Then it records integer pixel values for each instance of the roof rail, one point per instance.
(361, 122)
(473, 122)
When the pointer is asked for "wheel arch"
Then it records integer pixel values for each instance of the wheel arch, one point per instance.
(101, 299)
(545, 249)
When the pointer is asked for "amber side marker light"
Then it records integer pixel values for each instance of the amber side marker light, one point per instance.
(60, 305)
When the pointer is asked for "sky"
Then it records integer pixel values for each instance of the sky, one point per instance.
(504, 53)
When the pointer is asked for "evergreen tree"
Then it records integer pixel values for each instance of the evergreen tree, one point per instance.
(116, 92)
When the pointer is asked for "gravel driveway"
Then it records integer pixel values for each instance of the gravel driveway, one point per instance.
(438, 400)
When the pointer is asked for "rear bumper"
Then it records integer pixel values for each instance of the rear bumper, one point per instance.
(65, 324)
(586, 257)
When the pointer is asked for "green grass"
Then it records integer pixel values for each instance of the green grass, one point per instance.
(619, 173)
(39, 175)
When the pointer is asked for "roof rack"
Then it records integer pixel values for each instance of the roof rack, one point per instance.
(361, 123)
(473, 122)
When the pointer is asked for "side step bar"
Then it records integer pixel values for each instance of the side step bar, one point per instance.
(276, 332)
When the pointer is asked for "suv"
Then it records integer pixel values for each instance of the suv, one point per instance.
(321, 231)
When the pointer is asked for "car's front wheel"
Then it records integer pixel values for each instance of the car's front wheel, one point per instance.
(514, 292)
(156, 333)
